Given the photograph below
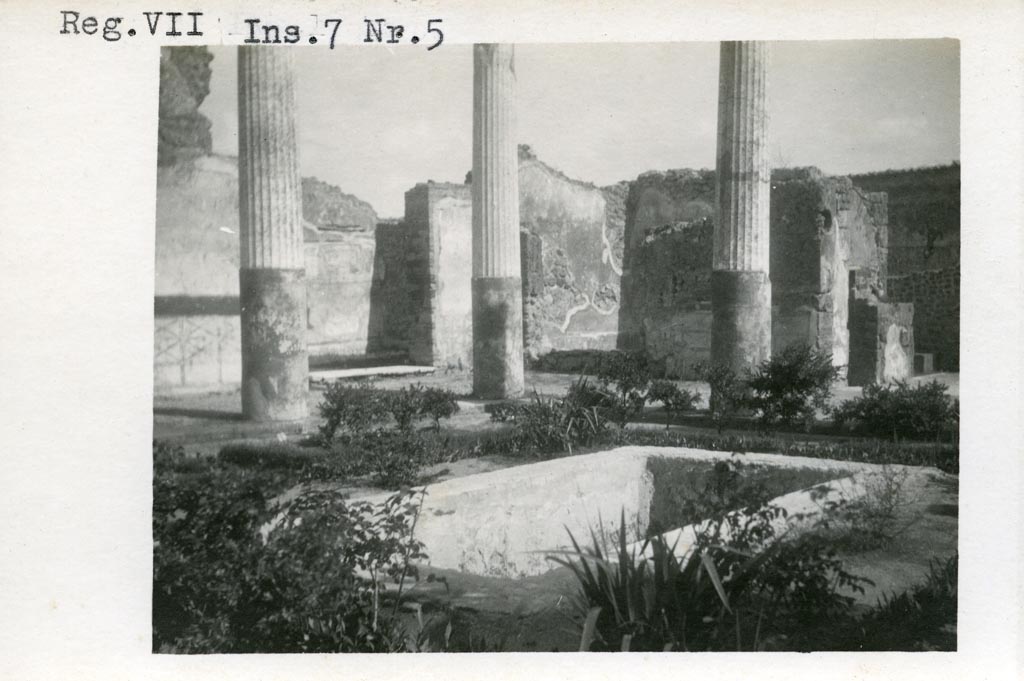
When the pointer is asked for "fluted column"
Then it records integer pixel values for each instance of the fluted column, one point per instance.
(275, 366)
(740, 286)
(497, 278)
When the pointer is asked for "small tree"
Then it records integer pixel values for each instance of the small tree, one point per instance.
(438, 404)
(674, 399)
(626, 376)
(728, 392)
(792, 385)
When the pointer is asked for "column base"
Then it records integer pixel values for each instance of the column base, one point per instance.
(497, 337)
(275, 362)
(741, 321)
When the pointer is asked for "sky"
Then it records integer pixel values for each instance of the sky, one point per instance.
(376, 120)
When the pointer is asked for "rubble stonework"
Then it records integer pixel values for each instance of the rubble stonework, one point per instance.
(666, 275)
(183, 132)
(821, 228)
(924, 253)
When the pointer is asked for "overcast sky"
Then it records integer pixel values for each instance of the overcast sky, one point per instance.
(376, 120)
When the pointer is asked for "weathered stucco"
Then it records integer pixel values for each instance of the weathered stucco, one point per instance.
(437, 219)
(196, 339)
(575, 252)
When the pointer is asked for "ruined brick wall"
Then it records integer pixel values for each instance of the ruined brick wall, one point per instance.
(924, 253)
(666, 279)
(183, 132)
(924, 216)
(572, 263)
(936, 298)
(821, 228)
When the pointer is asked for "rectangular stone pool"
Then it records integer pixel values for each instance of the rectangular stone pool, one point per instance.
(504, 523)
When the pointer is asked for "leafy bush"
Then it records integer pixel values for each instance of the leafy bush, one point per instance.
(350, 409)
(438, 404)
(901, 412)
(728, 392)
(741, 587)
(393, 457)
(674, 399)
(404, 405)
(626, 377)
(791, 385)
(313, 583)
(544, 426)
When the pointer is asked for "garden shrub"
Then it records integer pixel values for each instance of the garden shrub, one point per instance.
(626, 376)
(899, 411)
(728, 392)
(438, 403)
(791, 385)
(674, 399)
(392, 457)
(350, 409)
(313, 583)
(545, 426)
(740, 588)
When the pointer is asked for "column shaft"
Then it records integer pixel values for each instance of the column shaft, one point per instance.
(275, 366)
(740, 284)
(497, 282)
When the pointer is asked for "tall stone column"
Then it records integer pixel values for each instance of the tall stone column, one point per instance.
(741, 294)
(497, 278)
(275, 366)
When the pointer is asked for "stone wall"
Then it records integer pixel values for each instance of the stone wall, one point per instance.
(183, 132)
(438, 222)
(881, 342)
(572, 262)
(936, 298)
(196, 341)
(924, 253)
(666, 279)
(821, 228)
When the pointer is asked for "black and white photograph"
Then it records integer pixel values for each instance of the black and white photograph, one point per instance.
(557, 351)
(334, 335)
